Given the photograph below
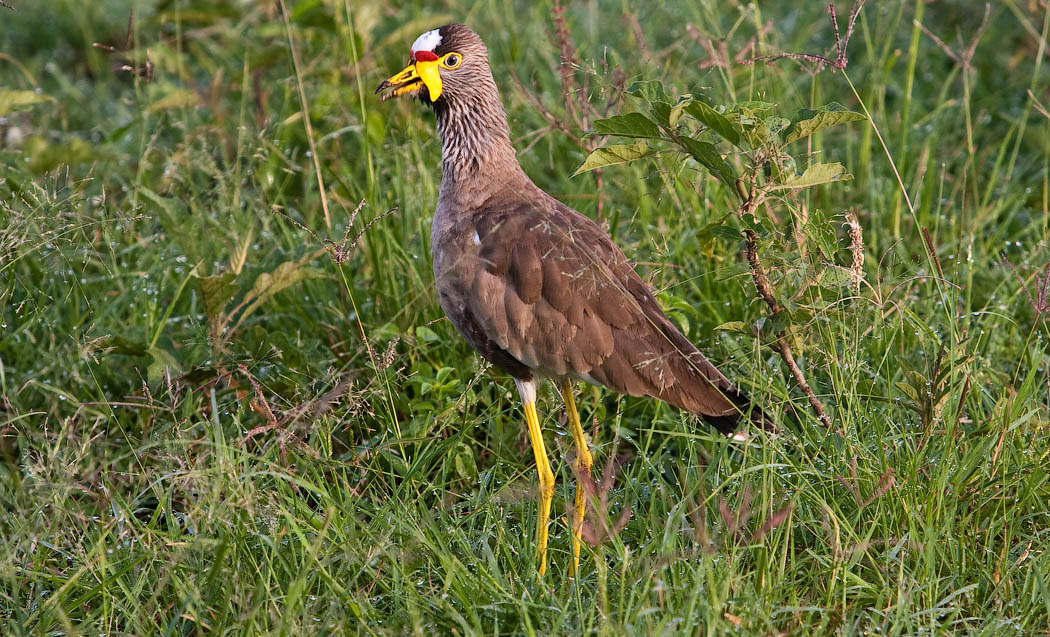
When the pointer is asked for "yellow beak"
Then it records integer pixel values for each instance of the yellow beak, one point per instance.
(413, 78)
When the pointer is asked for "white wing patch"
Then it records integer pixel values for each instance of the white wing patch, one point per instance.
(429, 41)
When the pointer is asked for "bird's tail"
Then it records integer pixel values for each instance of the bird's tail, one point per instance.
(748, 412)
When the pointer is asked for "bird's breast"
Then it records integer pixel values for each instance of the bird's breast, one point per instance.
(455, 250)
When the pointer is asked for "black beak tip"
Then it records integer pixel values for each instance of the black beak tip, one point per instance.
(383, 87)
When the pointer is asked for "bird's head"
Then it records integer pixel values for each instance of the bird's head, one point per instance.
(446, 63)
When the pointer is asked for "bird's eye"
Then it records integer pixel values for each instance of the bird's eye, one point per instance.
(451, 60)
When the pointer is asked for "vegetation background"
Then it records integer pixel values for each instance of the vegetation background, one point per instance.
(214, 420)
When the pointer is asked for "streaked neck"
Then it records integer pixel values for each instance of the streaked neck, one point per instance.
(476, 154)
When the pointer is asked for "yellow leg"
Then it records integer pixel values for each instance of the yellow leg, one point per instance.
(581, 466)
(527, 389)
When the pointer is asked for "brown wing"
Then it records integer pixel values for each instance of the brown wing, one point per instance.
(554, 292)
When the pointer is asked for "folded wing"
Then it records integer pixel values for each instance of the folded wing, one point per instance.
(555, 293)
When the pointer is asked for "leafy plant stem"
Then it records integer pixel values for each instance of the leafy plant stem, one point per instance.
(765, 291)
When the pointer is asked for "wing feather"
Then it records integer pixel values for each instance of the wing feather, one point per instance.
(558, 295)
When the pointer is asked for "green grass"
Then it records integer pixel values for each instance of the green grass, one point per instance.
(396, 494)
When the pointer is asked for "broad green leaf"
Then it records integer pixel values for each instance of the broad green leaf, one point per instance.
(121, 345)
(464, 462)
(166, 204)
(649, 90)
(285, 275)
(714, 120)
(754, 106)
(760, 226)
(302, 10)
(816, 174)
(808, 121)
(629, 125)
(384, 332)
(776, 124)
(707, 155)
(14, 100)
(918, 380)
(835, 276)
(677, 110)
(757, 133)
(425, 333)
(615, 154)
(662, 113)
(163, 360)
(733, 326)
(217, 290)
(919, 322)
(907, 389)
(45, 154)
(780, 323)
(721, 229)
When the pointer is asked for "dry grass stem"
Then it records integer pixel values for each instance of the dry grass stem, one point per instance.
(885, 483)
(840, 61)
(341, 251)
(718, 50)
(1038, 302)
(145, 71)
(963, 58)
(298, 65)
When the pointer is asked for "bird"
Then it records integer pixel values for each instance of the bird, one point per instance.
(536, 288)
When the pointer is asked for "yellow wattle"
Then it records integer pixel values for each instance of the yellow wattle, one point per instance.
(429, 72)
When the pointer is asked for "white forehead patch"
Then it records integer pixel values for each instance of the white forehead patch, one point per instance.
(429, 41)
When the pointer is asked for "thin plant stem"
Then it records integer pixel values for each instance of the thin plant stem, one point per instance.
(297, 63)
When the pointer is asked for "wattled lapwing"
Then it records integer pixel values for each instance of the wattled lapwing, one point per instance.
(538, 289)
